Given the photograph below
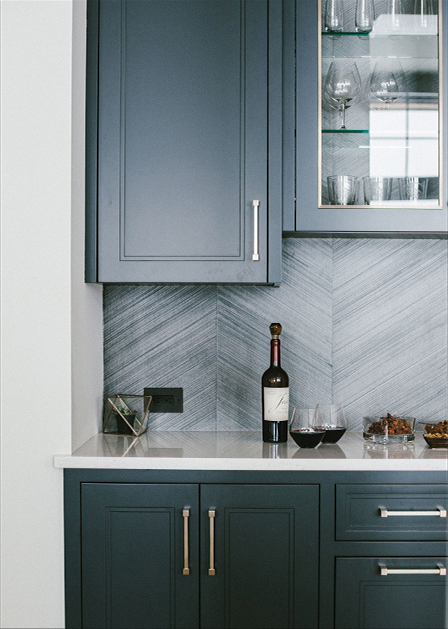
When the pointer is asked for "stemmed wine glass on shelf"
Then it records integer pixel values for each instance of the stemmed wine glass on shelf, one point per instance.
(387, 82)
(342, 85)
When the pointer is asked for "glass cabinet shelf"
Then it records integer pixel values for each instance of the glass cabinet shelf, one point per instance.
(380, 120)
(373, 36)
(333, 143)
(357, 45)
(345, 131)
(342, 34)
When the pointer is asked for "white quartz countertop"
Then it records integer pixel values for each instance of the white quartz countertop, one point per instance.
(189, 450)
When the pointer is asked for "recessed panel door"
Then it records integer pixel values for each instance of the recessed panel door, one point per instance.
(183, 141)
(259, 548)
(135, 570)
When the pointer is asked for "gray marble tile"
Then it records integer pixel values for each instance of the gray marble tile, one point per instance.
(302, 304)
(163, 336)
(390, 327)
(364, 322)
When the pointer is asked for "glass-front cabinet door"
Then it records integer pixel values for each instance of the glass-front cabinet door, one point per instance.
(369, 98)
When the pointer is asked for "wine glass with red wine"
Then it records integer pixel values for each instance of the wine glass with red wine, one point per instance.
(331, 419)
(302, 429)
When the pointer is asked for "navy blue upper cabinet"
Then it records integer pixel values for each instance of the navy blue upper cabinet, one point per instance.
(365, 148)
(184, 141)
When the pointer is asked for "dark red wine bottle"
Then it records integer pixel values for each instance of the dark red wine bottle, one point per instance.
(275, 394)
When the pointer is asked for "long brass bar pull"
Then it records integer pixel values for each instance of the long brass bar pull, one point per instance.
(385, 571)
(440, 513)
(256, 205)
(211, 517)
(186, 568)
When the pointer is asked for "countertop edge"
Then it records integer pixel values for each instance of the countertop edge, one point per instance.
(141, 463)
(245, 451)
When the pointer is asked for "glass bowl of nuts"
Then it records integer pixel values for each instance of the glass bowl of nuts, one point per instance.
(436, 435)
(389, 429)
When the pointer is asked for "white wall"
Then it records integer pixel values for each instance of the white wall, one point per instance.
(87, 299)
(36, 301)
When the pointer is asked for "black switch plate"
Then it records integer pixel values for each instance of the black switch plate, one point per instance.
(166, 400)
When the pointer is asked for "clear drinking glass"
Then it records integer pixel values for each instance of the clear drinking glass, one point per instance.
(395, 10)
(423, 9)
(303, 430)
(377, 189)
(413, 188)
(342, 189)
(331, 418)
(342, 85)
(334, 16)
(365, 16)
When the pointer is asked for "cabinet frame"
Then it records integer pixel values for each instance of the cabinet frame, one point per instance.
(301, 215)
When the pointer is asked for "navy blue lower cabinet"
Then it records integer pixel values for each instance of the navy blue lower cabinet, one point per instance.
(165, 556)
(166, 549)
(391, 593)
(261, 551)
(134, 571)
(184, 139)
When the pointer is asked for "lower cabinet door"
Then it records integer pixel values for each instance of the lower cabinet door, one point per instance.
(378, 593)
(134, 539)
(259, 554)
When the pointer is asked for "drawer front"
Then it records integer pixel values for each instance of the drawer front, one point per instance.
(386, 592)
(391, 512)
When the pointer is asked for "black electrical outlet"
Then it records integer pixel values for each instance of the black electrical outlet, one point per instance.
(166, 400)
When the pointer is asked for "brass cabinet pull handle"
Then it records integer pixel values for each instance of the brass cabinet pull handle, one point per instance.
(256, 205)
(440, 513)
(186, 568)
(211, 516)
(385, 571)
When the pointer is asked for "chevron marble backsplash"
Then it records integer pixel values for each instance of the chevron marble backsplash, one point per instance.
(365, 322)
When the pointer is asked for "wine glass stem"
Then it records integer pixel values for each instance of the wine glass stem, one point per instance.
(342, 110)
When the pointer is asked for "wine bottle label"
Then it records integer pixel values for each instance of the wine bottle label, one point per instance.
(276, 404)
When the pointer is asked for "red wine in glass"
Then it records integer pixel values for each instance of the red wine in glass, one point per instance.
(307, 437)
(330, 417)
(332, 433)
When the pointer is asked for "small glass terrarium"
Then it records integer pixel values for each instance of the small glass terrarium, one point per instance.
(126, 414)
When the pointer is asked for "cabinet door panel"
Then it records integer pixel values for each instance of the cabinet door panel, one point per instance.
(367, 600)
(183, 140)
(132, 556)
(266, 557)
